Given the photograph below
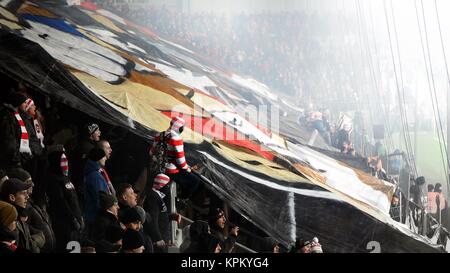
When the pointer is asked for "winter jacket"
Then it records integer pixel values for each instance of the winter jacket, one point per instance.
(10, 134)
(94, 182)
(104, 220)
(160, 224)
(39, 219)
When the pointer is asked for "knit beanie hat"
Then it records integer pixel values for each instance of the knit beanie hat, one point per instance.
(132, 239)
(131, 215)
(91, 128)
(8, 214)
(96, 154)
(29, 102)
(176, 123)
(142, 213)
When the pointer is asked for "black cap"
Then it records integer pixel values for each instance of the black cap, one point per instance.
(96, 154)
(130, 215)
(14, 185)
(132, 239)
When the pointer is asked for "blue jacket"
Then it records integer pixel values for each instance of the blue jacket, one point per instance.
(94, 182)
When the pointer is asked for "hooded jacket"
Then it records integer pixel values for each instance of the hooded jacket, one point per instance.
(63, 208)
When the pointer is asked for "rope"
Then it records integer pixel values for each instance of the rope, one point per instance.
(430, 83)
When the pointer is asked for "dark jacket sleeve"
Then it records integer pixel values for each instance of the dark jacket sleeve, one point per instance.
(64, 209)
(227, 244)
(152, 207)
(9, 139)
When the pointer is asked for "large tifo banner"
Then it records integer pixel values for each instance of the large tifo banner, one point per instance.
(125, 74)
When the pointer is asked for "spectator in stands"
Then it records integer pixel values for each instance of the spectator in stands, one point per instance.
(302, 246)
(270, 245)
(132, 242)
(38, 217)
(64, 209)
(90, 136)
(197, 233)
(36, 164)
(217, 222)
(126, 196)
(157, 208)
(15, 192)
(107, 216)
(176, 166)
(94, 183)
(8, 218)
(132, 219)
(106, 147)
(441, 203)
(13, 135)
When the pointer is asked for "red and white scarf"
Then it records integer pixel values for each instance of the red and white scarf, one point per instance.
(39, 134)
(24, 139)
(37, 125)
(105, 175)
(64, 165)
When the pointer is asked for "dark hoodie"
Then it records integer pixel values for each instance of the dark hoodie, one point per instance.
(64, 208)
(197, 232)
(94, 183)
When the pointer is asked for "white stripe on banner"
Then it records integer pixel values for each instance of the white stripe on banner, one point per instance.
(292, 222)
(273, 185)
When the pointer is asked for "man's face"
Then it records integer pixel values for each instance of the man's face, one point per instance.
(107, 149)
(134, 226)
(32, 110)
(96, 135)
(306, 249)
(130, 197)
(20, 198)
(221, 221)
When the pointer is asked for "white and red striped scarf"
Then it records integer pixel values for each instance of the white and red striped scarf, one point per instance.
(38, 129)
(24, 138)
(105, 175)
(64, 165)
